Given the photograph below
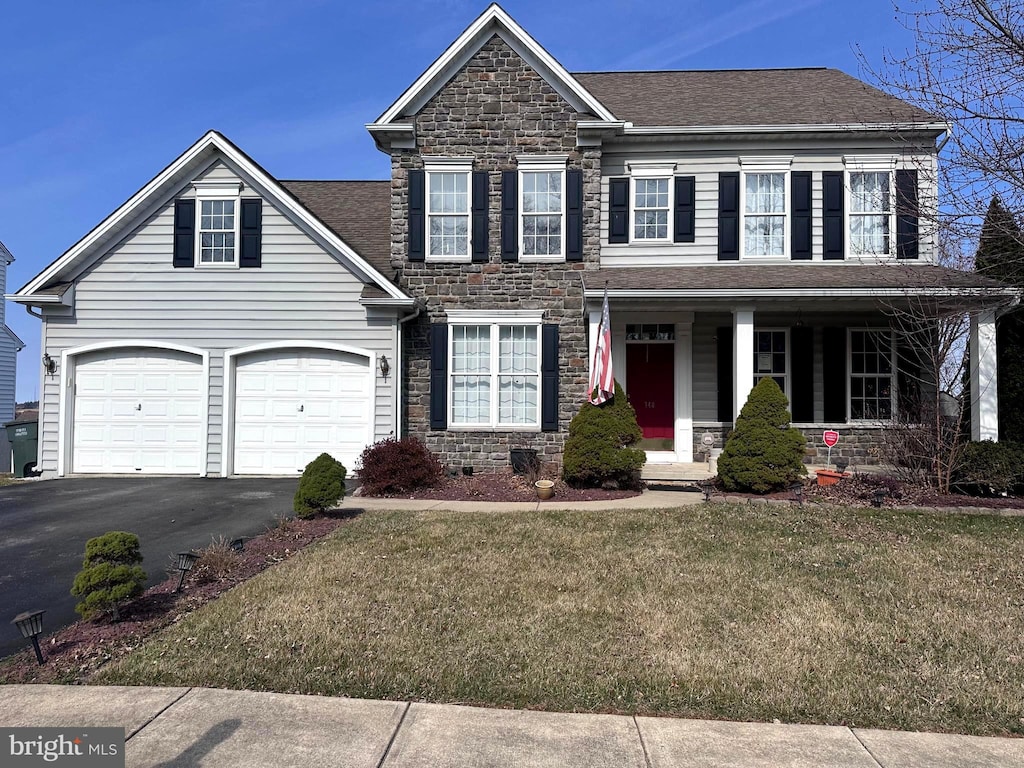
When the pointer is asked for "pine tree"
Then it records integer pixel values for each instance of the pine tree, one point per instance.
(1001, 256)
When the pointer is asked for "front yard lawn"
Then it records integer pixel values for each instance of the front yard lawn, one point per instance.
(873, 619)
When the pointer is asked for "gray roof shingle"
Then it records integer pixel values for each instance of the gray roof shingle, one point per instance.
(816, 96)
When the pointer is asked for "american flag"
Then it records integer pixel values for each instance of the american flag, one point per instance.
(602, 381)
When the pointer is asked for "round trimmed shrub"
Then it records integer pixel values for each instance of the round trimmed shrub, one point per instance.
(397, 466)
(321, 487)
(763, 453)
(600, 451)
(987, 468)
(110, 574)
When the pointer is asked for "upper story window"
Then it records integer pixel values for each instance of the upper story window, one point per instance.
(650, 208)
(217, 223)
(448, 208)
(871, 211)
(764, 213)
(871, 375)
(542, 207)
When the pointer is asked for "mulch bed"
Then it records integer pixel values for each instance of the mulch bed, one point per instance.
(72, 654)
(505, 486)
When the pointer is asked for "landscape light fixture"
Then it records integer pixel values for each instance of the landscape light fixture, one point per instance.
(385, 367)
(798, 491)
(707, 487)
(842, 464)
(185, 562)
(30, 624)
(238, 545)
(877, 497)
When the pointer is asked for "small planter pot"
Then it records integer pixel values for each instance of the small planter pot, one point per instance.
(545, 489)
(829, 477)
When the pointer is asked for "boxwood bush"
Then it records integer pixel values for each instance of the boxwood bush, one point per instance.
(321, 487)
(111, 574)
(601, 450)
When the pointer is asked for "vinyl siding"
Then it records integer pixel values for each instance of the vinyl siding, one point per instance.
(300, 293)
(712, 158)
(8, 359)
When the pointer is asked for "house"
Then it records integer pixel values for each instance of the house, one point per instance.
(10, 345)
(742, 224)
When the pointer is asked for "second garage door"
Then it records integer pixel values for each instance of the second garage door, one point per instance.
(293, 405)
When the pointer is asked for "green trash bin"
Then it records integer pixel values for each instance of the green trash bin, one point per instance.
(24, 439)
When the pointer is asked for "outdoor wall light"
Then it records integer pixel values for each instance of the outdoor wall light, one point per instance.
(385, 367)
(798, 491)
(30, 624)
(185, 562)
(707, 487)
(49, 364)
(238, 545)
(878, 497)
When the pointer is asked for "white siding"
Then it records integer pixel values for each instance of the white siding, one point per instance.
(8, 375)
(133, 292)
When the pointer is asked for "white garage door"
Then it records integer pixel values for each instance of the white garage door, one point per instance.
(292, 405)
(138, 411)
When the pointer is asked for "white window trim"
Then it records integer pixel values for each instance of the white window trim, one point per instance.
(850, 375)
(868, 164)
(495, 320)
(789, 361)
(540, 164)
(209, 190)
(640, 170)
(755, 165)
(463, 165)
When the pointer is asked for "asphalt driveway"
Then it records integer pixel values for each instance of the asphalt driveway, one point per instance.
(44, 526)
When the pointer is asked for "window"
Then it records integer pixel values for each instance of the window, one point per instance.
(542, 209)
(871, 375)
(870, 213)
(495, 375)
(764, 214)
(770, 357)
(217, 231)
(448, 214)
(650, 209)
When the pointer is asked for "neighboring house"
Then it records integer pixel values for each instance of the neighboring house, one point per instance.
(743, 224)
(10, 345)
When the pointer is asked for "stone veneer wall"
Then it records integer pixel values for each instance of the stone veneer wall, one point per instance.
(493, 109)
(858, 445)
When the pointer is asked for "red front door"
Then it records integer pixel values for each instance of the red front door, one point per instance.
(650, 378)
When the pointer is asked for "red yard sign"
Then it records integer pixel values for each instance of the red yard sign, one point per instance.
(830, 436)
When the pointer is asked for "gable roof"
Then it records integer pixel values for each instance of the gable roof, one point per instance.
(5, 255)
(747, 97)
(212, 145)
(359, 212)
(493, 21)
(18, 343)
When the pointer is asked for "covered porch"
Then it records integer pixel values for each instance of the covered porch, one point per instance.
(689, 343)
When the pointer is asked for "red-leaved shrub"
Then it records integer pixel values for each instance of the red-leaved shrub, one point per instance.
(393, 466)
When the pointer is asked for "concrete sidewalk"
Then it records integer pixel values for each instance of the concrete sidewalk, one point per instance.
(182, 727)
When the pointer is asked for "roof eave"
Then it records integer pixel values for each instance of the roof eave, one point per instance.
(936, 128)
(799, 293)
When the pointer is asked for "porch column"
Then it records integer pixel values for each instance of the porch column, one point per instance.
(984, 400)
(743, 357)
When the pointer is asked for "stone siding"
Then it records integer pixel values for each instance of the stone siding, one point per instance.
(857, 445)
(494, 108)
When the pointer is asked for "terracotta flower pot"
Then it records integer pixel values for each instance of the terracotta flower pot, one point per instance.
(545, 489)
(829, 477)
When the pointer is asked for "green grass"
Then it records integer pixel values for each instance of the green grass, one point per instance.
(871, 619)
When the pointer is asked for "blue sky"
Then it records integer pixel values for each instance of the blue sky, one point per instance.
(99, 96)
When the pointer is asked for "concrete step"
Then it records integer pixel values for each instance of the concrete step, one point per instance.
(692, 472)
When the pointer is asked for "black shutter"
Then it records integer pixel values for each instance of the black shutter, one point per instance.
(686, 209)
(481, 196)
(184, 233)
(906, 215)
(417, 215)
(725, 384)
(574, 215)
(438, 376)
(510, 215)
(800, 246)
(801, 367)
(618, 210)
(728, 216)
(549, 378)
(832, 214)
(833, 353)
(250, 254)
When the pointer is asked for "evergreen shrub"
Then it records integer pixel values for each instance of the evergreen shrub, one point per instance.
(397, 466)
(111, 574)
(601, 450)
(321, 487)
(987, 468)
(762, 453)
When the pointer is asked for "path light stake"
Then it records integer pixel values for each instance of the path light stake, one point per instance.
(238, 545)
(185, 562)
(30, 624)
(798, 491)
(877, 497)
(707, 487)
(842, 464)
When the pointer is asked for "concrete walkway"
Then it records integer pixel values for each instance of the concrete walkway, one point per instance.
(649, 499)
(188, 727)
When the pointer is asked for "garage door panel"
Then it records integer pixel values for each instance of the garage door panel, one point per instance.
(307, 401)
(138, 411)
